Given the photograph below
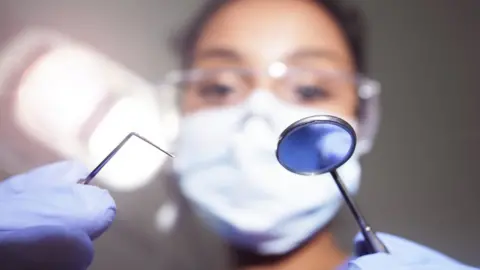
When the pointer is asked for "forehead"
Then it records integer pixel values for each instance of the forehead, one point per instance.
(263, 31)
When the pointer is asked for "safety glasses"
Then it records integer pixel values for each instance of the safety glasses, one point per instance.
(308, 87)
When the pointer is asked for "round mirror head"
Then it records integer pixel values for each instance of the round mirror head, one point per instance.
(316, 145)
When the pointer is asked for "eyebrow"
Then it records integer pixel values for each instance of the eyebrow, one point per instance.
(302, 54)
(305, 54)
(219, 53)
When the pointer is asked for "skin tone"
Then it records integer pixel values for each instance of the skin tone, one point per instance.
(253, 34)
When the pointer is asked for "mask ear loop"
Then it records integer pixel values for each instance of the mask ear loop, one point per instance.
(104, 162)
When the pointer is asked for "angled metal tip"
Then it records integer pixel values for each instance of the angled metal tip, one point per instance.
(149, 142)
(104, 162)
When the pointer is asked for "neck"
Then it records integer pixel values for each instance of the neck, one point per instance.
(319, 253)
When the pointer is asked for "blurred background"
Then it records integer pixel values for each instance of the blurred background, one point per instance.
(419, 182)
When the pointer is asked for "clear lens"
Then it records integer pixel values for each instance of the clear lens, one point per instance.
(316, 88)
(217, 88)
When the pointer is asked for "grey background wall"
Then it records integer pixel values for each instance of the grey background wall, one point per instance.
(421, 181)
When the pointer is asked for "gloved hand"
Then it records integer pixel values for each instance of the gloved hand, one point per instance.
(48, 221)
(404, 255)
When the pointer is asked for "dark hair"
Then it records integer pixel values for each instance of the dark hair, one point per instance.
(348, 18)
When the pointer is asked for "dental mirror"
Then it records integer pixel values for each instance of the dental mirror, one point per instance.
(320, 144)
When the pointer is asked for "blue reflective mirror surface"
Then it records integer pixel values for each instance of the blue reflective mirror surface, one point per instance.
(316, 145)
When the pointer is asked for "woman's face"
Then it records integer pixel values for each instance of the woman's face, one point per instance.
(254, 34)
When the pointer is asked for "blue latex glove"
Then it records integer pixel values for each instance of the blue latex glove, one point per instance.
(48, 221)
(404, 255)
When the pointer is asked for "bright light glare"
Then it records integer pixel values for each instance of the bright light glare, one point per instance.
(60, 93)
(170, 123)
(277, 69)
(166, 217)
(136, 163)
(57, 95)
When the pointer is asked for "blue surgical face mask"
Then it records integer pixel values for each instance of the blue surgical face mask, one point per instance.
(228, 169)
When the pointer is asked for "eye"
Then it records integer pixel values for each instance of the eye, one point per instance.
(310, 93)
(215, 90)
